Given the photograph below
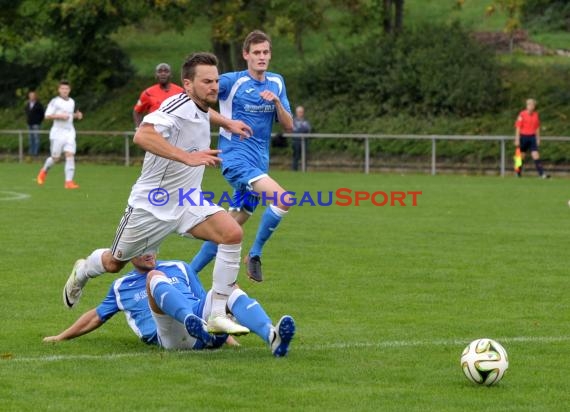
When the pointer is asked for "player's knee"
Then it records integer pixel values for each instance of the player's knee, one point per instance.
(232, 235)
(55, 159)
(286, 200)
(113, 265)
(153, 278)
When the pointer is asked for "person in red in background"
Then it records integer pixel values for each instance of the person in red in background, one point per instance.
(151, 98)
(527, 136)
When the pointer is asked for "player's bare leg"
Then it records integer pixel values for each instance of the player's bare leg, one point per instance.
(222, 229)
(240, 216)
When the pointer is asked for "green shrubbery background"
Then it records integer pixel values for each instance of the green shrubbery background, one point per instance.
(431, 79)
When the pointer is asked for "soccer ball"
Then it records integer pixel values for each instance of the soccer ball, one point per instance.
(484, 361)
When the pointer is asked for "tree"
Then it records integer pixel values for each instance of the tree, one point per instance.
(373, 17)
(294, 18)
(231, 21)
(71, 39)
(393, 12)
(547, 15)
(513, 9)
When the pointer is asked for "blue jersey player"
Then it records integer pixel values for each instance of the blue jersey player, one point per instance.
(165, 304)
(258, 98)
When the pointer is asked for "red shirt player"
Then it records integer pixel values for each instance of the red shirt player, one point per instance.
(527, 136)
(151, 98)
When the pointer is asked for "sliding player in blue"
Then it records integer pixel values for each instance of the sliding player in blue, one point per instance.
(165, 304)
(258, 98)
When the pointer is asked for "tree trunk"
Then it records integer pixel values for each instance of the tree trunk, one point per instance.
(387, 16)
(399, 18)
(223, 52)
(299, 40)
(237, 51)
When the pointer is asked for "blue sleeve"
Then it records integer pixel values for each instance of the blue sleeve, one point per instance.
(195, 284)
(108, 307)
(283, 97)
(226, 82)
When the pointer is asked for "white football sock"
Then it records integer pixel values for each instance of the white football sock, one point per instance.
(92, 267)
(277, 211)
(69, 168)
(49, 163)
(226, 268)
(234, 296)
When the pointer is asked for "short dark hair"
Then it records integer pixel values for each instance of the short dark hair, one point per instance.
(255, 37)
(64, 82)
(197, 59)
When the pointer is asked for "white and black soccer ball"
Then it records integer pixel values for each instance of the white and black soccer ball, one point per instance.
(484, 361)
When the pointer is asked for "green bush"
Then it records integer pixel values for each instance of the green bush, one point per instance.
(431, 71)
(547, 15)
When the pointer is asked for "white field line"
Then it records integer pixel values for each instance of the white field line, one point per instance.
(301, 348)
(7, 195)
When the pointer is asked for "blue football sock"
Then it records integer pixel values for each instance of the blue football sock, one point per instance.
(539, 168)
(173, 302)
(269, 222)
(250, 314)
(206, 254)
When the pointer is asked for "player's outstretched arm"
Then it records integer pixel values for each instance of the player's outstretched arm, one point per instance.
(152, 141)
(232, 126)
(86, 323)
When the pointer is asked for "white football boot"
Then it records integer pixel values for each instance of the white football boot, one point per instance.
(73, 289)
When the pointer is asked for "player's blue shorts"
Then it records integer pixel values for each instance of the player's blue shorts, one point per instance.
(241, 176)
(528, 142)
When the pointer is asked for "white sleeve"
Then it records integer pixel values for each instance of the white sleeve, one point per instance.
(163, 123)
(50, 110)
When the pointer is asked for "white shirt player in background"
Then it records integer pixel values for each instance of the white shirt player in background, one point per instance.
(176, 138)
(61, 110)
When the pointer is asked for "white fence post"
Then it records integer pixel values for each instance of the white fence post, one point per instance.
(366, 155)
(127, 150)
(502, 157)
(303, 155)
(433, 157)
(20, 147)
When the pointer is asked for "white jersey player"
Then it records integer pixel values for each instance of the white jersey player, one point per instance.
(61, 110)
(177, 140)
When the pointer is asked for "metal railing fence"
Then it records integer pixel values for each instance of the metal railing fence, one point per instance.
(21, 134)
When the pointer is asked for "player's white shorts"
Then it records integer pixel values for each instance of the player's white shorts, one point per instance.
(173, 334)
(62, 141)
(140, 231)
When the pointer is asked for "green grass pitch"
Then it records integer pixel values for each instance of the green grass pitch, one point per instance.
(385, 299)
